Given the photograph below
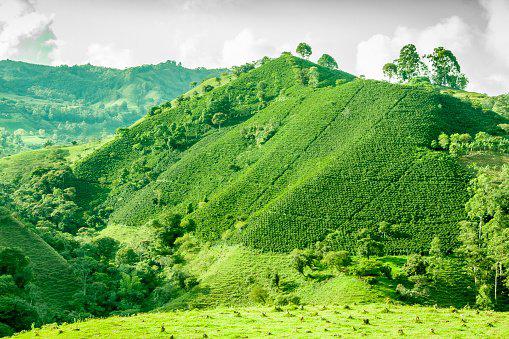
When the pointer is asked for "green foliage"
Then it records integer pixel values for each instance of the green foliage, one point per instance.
(371, 267)
(16, 312)
(435, 249)
(43, 105)
(407, 66)
(304, 50)
(445, 69)
(485, 236)
(52, 280)
(415, 265)
(327, 61)
(258, 294)
(390, 70)
(381, 170)
(463, 144)
(337, 260)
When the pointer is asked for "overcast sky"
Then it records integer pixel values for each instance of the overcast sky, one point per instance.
(361, 35)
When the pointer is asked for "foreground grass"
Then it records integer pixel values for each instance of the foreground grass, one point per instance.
(355, 320)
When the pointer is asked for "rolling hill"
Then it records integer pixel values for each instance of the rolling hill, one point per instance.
(289, 153)
(40, 104)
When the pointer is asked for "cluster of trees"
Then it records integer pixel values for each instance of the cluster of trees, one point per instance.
(324, 255)
(259, 134)
(305, 51)
(485, 236)
(461, 144)
(113, 278)
(11, 142)
(16, 292)
(444, 69)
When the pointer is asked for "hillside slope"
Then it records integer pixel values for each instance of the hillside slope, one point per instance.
(60, 104)
(52, 275)
(297, 157)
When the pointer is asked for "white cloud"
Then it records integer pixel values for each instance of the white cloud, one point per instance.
(246, 47)
(372, 54)
(497, 33)
(25, 34)
(109, 56)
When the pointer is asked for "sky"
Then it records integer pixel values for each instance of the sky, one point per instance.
(361, 35)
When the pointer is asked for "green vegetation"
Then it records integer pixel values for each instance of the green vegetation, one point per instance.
(53, 282)
(43, 105)
(374, 320)
(445, 69)
(287, 168)
(304, 50)
(327, 61)
(282, 185)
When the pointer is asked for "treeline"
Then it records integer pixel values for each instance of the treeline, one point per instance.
(461, 144)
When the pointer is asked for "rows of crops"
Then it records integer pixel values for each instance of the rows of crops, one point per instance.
(343, 157)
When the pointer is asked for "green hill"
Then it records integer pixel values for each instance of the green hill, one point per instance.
(53, 278)
(299, 152)
(61, 104)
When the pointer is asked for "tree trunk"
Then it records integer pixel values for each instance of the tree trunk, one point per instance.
(480, 227)
(496, 278)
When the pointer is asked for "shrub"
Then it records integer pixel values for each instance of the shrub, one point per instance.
(258, 294)
(371, 267)
(337, 260)
(287, 299)
(415, 265)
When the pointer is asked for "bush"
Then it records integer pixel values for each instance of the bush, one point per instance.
(371, 267)
(337, 260)
(287, 299)
(258, 294)
(415, 265)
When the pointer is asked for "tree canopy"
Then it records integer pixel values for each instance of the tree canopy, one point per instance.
(304, 50)
(445, 69)
(327, 61)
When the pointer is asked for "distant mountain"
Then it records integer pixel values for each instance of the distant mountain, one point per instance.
(43, 104)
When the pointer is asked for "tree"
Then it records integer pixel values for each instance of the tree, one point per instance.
(327, 61)
(368, 244)
(443, 141)
(14, 263)
(445, 69)
(409, 63)
(218, 119)
(407, 66)
(390, 70)
(16, 313)
(304, 50)
(415, 265)
(485, 238)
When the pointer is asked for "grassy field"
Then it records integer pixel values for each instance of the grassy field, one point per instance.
(23, 163)
(371, 320)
